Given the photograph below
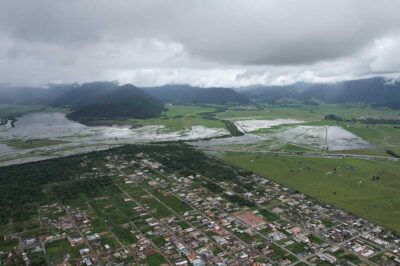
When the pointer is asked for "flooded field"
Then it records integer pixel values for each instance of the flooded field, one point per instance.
(323, 137)
(331, 138)
(77, 138)
(253, 125)
(55, 126)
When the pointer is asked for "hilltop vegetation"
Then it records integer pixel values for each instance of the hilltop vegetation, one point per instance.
(95, 98)
(122, 103)
(108, 102)
(89, 101)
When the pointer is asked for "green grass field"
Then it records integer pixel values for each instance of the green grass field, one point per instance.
(346, 183)
(155, 260)
(181, 117)
(383, 136)
(8, 245)
(311, 113)
(57, 249)
(7, 110)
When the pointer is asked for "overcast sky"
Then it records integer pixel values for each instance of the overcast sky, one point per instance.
(203, 43)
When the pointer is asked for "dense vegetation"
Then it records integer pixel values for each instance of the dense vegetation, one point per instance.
(26, 184)
(381, 121)
(184, 159)
(93, 187)
(24, 187)
(122, 103)
(96, 100)
(392, 153)
(233, 128)
(333, 117)
(213, 187)
(235, 198)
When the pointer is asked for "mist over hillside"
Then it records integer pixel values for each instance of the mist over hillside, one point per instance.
(75, 95)
(375, 91)
(123, 102)
(193, 95)
(96, 100)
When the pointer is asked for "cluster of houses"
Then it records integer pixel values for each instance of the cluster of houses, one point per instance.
(321, 230)
(281, 227)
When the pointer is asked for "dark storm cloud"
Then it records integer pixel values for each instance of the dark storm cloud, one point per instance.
(47, 40)
(286, 32)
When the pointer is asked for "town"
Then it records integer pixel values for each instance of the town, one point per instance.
(156, 214)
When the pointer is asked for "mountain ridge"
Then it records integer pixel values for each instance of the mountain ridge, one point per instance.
(374, 91)
(195, 95)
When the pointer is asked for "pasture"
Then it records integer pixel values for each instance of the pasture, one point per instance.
(368, 189)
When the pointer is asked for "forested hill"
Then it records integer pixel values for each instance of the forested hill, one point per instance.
(124, 102)
(84, 94)
(88, 97)
(88, 101)
(193, 95)
(56, 94)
